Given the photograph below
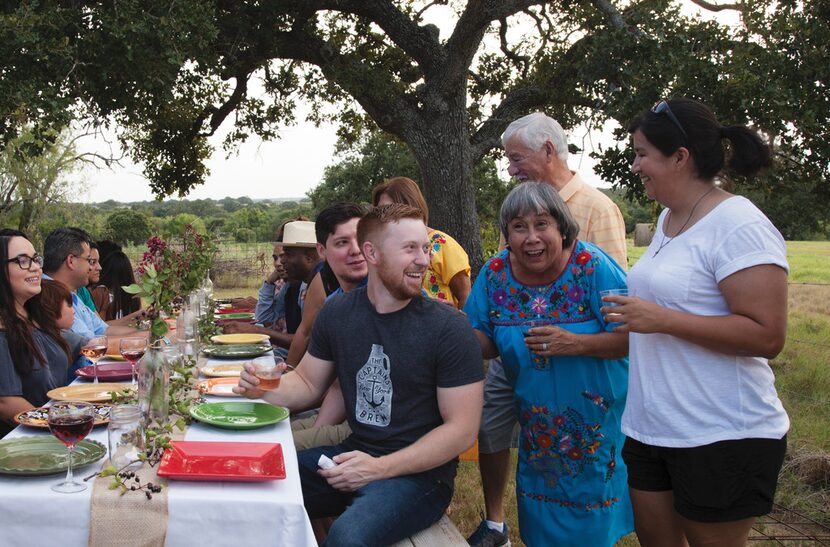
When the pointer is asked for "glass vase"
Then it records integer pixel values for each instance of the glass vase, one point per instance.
(154, 384)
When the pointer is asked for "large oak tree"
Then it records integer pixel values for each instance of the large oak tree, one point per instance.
(172, 72)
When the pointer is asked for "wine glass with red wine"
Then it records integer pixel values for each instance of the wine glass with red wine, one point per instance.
(70, 422)
(132, 349)
(94, 349)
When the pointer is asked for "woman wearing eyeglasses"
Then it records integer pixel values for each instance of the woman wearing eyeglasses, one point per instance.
(32, 361)
(707, 306)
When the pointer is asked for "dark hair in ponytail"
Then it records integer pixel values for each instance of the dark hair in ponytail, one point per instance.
(704, 139)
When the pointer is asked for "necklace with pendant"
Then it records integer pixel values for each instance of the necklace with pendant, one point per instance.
(663, 241)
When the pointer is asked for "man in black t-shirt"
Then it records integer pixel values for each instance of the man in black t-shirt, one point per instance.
(410, 370)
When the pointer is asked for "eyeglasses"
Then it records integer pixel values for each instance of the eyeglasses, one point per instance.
(25, 261)
(92, 261)
(663, 108)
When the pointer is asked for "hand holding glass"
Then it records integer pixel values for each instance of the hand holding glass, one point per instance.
(269, 373)
(612, 292)
(70, 422)
(132, 349)
(94, 349)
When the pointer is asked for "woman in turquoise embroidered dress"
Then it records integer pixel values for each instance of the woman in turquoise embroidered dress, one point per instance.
(537, 304)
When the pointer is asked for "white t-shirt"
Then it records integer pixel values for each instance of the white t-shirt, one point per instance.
(681, 394)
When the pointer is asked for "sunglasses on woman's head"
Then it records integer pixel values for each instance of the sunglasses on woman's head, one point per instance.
(662, 107)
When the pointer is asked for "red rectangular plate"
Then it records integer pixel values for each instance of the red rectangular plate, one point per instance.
(222, 461)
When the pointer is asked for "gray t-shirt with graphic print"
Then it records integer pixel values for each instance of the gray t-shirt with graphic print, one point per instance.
(390, 365)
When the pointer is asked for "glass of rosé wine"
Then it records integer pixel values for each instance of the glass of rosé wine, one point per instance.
(94, 349)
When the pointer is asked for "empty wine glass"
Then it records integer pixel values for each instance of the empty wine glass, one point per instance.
(70, 422)
(132, 349)
(94, 349)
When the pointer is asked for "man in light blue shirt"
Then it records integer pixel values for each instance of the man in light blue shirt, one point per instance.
(68, 259)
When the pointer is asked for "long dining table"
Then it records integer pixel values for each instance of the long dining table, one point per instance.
(203, 513)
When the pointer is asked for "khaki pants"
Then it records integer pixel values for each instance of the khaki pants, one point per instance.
(307, 436)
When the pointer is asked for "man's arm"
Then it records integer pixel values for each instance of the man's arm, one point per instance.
(268, 302)
(460, 408)
(314, 300)
(122, 330)
(298, 390)
(278, 338)
(126, 320)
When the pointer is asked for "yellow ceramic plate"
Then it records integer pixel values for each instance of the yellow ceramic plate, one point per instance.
(93, 393)
(222, 370)
(220, 387)
(240, 338)
(113, 357)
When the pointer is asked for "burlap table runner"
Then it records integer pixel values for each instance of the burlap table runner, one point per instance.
(131, 519)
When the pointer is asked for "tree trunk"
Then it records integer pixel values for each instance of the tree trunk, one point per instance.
(443, 154)
(26, 215)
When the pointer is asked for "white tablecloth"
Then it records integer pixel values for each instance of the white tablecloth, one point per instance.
(200, 513)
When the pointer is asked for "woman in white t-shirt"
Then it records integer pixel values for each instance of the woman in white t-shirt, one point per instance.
(707, 306)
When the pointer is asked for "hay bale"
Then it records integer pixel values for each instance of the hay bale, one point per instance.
(643, 233)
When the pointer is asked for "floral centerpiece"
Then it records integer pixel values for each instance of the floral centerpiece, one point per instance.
(168, 271)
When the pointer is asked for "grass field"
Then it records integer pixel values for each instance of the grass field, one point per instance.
(803, 382)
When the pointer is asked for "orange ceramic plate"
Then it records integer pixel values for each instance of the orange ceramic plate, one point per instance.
(220, 387)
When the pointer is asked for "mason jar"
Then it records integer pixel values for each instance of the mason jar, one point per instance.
(126, 436)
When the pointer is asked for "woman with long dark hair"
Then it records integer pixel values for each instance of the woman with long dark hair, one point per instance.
(32, 360)
(110, 299)
(707, 306)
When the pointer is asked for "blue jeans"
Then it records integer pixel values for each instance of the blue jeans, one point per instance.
(381, 513)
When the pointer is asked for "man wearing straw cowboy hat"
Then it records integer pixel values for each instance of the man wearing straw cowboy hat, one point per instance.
(301, 261)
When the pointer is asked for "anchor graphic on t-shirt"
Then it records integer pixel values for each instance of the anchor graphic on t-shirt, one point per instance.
(373, 404)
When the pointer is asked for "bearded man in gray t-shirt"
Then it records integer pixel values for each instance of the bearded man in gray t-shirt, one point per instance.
(411, 374)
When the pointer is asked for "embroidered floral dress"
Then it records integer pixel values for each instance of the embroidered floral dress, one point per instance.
(571, 483)
(448, 259)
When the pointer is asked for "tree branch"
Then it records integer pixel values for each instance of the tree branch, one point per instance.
(616, 18)
(718, 7)
(378, 94)
(416, 40)
(218, 115)
(469, 31)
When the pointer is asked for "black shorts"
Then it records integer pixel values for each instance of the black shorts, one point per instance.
(719, 482)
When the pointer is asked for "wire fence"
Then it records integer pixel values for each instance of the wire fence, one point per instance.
(245, 264)
(235, 265)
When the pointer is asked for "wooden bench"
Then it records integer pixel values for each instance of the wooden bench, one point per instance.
(442, 533)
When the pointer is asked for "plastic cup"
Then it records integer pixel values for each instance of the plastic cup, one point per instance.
(268, 373)
(613, 292)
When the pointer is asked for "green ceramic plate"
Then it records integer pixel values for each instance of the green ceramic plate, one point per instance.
(236, 351)
(45, 455)
(234, 316)
(239, 414)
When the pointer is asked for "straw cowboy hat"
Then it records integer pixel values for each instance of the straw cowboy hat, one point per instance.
(299, 233)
